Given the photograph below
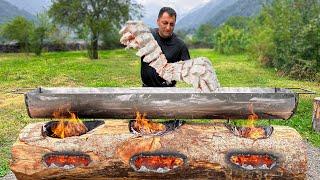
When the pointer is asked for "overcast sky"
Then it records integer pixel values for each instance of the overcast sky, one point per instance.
(152, 8)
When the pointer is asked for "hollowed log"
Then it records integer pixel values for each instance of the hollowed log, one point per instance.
(205, 149)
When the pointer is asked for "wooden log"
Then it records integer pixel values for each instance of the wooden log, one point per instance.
(204, 148)
(123, 103)
(316, 114)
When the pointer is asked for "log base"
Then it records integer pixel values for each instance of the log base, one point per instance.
(204, 151)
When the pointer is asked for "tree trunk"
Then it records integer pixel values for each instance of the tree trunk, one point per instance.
(204, 148)
(94, 46)
(316, 114)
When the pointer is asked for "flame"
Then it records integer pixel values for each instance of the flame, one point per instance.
(62, 160)
(253, 132)
(145, 126)
(255, 161)
(68, 127)
(156, 162)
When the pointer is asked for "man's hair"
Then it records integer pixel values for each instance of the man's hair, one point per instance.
(169, 10)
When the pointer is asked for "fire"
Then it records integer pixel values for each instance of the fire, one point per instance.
(69, 125)
(255, 161)
(70, 160)
(252, 131)
(145, 126)
(154, 163)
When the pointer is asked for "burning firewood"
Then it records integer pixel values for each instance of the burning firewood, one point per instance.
(145, 126)
(68, 127)
(199, 71)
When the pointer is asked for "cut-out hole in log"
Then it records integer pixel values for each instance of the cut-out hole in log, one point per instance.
(66, 160)
(252, 161)
(157, 162)
(258, 132)
(147, 128)
(48, 128)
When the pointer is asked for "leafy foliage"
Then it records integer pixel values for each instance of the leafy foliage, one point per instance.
(97, 16)
(41, 31)
(19, 29)
(291, 37)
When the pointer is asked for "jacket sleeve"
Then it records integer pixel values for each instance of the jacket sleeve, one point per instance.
(185, 53)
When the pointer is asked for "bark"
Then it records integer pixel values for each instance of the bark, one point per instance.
(205, 146)
(316, 114)
(94, 47)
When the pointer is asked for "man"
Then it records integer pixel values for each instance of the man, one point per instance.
(172, 47)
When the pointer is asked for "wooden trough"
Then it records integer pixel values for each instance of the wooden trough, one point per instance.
(123, 103)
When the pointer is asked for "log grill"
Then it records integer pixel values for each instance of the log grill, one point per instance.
(114, 149)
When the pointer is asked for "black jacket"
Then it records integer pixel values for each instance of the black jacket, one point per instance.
(174, 49)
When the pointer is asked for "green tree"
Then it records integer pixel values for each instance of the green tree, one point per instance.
(19, 29)
(229, 40)
(41, 31)
(293, 27)
(95, 15)
(204, 35)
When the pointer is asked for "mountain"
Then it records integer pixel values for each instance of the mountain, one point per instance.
(240, 8)
(202, 15)
(9, 11)
(32, 6)
(216, 12)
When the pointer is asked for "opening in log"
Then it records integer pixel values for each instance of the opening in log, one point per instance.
(157, 162)
(257, 132)
(69, 129)
(252, 161)
(153, 128)
(66, 160)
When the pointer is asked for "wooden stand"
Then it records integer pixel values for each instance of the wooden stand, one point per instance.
(206, 148)
(316, 114)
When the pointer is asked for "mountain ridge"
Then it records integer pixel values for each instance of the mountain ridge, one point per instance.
(216, 12)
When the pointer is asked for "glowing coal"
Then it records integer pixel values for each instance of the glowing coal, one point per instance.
(157, 162)
(253, 161)
(66, 160)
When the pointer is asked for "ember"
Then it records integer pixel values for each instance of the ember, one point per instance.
(66, 160)
(69, 125)
(160, 163)
(253, 161)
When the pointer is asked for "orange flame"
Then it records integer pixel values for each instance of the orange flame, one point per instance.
(253, 131)
(155, 162)
(255, 161)
(68, 127)
(145, 126)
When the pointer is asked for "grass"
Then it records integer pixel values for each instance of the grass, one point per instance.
(120, 68)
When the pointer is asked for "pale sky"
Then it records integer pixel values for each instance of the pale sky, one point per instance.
(152, 7)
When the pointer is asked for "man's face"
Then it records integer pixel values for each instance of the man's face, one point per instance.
(166, 25)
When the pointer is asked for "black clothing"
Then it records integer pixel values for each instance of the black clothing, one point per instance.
(174, 49)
